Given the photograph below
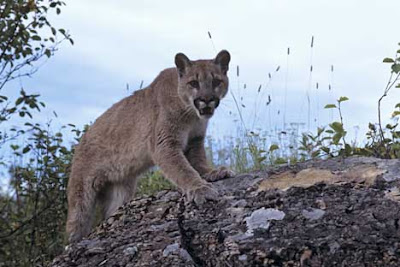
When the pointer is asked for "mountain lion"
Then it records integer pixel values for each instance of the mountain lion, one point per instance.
(164, 125)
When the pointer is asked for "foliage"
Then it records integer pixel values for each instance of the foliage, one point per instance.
(33, 210)
(153, 182)
(388, 146)
(327, 142)
(253, 150)
(26, 36)
(33, 217)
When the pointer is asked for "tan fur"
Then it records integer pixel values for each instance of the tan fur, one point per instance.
(164, 125)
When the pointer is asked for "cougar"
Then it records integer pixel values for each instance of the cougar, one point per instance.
(164, 125)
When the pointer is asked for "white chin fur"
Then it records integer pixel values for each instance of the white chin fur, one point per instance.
(204, 117)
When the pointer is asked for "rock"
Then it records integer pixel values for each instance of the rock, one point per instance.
(131, 250)
(319, 213)
(170, 249)
(313, 214)
(242, 258)
(260, 219)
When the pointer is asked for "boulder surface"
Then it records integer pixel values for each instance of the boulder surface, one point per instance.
(335, 212)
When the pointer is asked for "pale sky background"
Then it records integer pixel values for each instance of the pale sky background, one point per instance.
(125, 42)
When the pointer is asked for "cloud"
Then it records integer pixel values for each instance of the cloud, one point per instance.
(124, 42)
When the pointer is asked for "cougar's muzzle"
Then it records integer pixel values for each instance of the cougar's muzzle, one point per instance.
(206, 106)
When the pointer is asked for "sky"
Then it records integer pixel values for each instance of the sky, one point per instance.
(119, 44)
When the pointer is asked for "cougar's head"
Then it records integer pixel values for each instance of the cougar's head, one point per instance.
(203, 83)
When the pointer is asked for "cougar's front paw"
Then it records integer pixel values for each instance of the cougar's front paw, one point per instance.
(218, 174)
(74, 237)
(203, 193)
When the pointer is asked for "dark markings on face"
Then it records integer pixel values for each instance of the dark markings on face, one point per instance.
(211, 86)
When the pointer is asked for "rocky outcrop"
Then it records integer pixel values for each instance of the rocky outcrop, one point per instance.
(322, 213)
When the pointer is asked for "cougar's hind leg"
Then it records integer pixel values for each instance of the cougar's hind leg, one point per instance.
(117, 194)
(81, 209)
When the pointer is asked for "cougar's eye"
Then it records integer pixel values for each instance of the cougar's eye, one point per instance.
(194, 84)
(216, 82)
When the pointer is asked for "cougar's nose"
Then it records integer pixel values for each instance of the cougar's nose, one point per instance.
(206, 106)
(211, 102)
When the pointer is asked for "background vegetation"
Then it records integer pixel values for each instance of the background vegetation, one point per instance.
(37, 157)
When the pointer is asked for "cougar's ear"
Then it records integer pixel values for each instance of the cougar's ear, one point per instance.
(222, 60)
(182, 62)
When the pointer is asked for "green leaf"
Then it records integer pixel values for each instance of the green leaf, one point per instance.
(36, 38)
(315, 154)
(19, 101)
(14, 147)
(396, 68)
(26, 150)
(388, 60)
(347, 149)
(261, 159)
(330, 106)
(343, 98)
(47, 53)
(395, 113)
(387, 140)
(337, 127)
(371, 126)
(326, 149)
(390, 127)
(336, 138)
(273, 147)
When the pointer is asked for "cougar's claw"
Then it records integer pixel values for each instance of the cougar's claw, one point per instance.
(218, 174)
(203, 193)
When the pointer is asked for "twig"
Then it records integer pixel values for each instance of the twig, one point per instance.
(23, 224)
